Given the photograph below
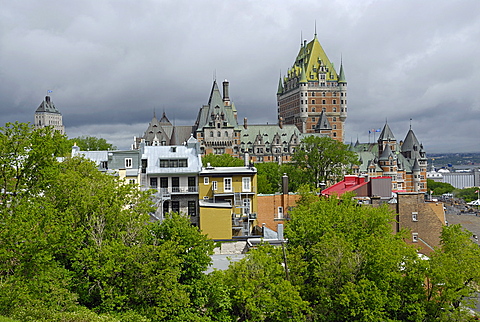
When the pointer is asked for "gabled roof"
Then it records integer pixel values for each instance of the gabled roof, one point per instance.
(216, 107)
(323, 123)
(386, 154)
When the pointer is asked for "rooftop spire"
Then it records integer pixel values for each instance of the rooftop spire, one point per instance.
(280, 85)
(341, 75)
(315, 36)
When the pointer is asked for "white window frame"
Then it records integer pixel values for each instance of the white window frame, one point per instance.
(227, 185)
(415, 237)
(128, 163)
(206, 180)
(280, 212)
(214, 185)
(414, 216)
(246, 184)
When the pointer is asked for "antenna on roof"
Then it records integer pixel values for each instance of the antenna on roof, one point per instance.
(214, 75)
(315, 28)
(410, 123)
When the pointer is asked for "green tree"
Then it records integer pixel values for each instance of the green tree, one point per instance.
(439, 188)
(349, 265)
(454, 274)
(467, 194)
(321, 159)
(91, 143)
(221, 160)
(259, 290)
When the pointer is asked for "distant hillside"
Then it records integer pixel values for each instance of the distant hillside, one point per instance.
(453, 159)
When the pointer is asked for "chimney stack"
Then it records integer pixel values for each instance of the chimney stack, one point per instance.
(245, 123)
(280, 122)
(285, 184)
(226, 97)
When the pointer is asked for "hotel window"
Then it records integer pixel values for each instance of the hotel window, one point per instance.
(334, 109)
(246, 184)
(323, 102)
(214, 185)
(334, 102)
(227, 184)
(206, 180)
(334, 118)
(414, 237)
(128, 162)
(211, 134)
(313, 109)
(313, 101)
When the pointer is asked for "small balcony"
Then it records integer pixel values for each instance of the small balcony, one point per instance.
(178, 190)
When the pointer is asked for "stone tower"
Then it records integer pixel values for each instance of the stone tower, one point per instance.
(48, 115)
(312, 94)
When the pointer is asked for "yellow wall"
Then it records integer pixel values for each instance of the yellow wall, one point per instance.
(216, 223)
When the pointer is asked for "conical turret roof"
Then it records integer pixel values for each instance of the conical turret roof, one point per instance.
(387, 134)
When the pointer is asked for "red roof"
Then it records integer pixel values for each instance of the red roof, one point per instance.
(349, 183)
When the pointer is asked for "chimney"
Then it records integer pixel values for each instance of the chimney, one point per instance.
(285, 184)
(226, 98)
(245, 123)
(280, 122)
(47, 99)
(247, 159)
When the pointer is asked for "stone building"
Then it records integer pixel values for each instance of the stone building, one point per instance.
(48, 115)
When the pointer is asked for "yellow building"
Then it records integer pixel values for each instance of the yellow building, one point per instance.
(228, 201)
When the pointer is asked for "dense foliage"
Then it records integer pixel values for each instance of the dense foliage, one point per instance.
(91, 143)
(439, 188)
(77, 245)
(321, 160)
(221, 160)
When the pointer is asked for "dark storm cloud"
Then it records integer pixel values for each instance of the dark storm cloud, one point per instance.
(111, 64)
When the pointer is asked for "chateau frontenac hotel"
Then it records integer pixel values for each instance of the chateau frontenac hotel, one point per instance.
(312, 95)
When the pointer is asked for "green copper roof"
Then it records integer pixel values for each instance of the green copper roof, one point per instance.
(303, 76)
(280, 86)
(315, 60)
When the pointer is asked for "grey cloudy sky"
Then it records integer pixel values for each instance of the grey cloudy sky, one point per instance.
(111, 63)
